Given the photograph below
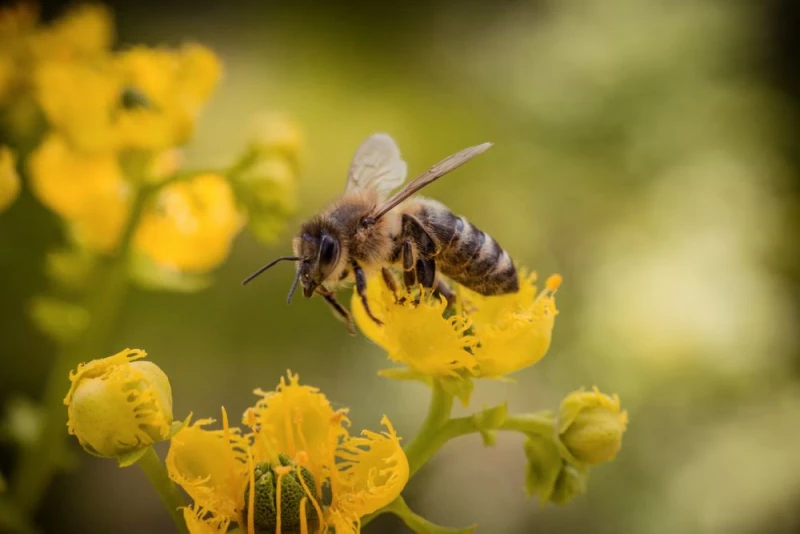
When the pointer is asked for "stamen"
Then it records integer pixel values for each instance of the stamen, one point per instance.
(303, 519)
(314, 502)
(553, 283)
(280, 471)
(251, 500)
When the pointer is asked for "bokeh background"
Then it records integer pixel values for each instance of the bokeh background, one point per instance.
(646, 150)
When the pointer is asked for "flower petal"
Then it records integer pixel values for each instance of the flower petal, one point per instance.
(211, 465)
(298, 421)
(371, 472)
(201, 521)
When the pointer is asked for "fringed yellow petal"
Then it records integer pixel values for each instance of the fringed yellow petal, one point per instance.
(514, 330)
(416, 333)
(211, 465)
(371, 471)
(296, 419)
(191, 225)
(201, 521)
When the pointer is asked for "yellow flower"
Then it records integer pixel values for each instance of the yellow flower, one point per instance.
(84, 32)
(275, 132)
(9, 180)
(143, 98)
(307, 471)
(485, 336)
(118, 406)
(87, 190)
(590, 425)
(191, 224)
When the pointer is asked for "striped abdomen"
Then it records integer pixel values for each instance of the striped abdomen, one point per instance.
(467, 255)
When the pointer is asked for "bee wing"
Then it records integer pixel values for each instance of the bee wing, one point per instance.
(431, 175)
(376, 165)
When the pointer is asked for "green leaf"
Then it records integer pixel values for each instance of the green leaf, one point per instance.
(459, 387)
(129, 458)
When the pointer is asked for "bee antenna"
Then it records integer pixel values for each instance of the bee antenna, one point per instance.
(267, 266)
(294, 286)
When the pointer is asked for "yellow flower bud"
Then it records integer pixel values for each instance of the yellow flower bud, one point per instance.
(118, 406)
(275, 132)
(590, 427)
(9, 180)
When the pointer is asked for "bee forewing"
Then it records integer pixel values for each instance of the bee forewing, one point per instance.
(377, 165)
(431, 175)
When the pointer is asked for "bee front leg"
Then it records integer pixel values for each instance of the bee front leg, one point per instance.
(409, 274)
(340, 310)
(361, 289)
(390, 281)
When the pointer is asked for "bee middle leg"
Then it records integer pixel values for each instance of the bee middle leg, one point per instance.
(446, 291)
(361, 289)
(424, 267)
(340, 310)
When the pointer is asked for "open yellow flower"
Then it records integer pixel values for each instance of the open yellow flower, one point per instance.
(89, 191)
(484, 336)
(143, 98)
(9, 180)
(118, 406)
(84, 32)
(191, 224)
(308, 473)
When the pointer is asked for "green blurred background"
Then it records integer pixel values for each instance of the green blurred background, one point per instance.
(645, 150)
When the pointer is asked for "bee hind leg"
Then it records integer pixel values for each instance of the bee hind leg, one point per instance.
(361, 289)
(339, 310)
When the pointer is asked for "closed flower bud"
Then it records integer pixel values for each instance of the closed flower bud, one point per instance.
(118, 406)
(590, 427)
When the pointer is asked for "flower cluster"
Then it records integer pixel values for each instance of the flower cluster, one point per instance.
(294, 468)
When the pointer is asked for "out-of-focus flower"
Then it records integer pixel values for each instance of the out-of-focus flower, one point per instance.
(84, 32)
(485, 336)
(17, 23)
(589, 427)
(308, 472)
(144, 98)
(59, 319)
(190, 225)
(87, 190)
(9, 179)
(265, 180)
(118, 406)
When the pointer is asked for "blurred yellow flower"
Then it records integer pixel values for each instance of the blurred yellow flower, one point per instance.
(118, 406)
(87, 190)
(191, 224)
(9, 179)
(17, 22)
(485, 336)
(298, 451)
(84, 32)
(276, 132)
(143, 98)
(589, 427)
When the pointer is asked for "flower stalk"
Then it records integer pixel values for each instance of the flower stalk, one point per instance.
(168, 492)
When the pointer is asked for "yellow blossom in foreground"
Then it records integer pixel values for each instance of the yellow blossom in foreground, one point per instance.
(118, 405)
(307, 471)
(589, 427)
(143, 98)
(87, 190)
(484, 337)
(191, 224)
(9, 180)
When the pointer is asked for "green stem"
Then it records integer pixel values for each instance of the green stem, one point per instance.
(38, 462)
(156, 473)
(418, 523)
(419, 450)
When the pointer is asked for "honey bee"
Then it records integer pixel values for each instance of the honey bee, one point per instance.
(367, 230)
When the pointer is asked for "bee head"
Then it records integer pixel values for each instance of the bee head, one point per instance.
(319, 253)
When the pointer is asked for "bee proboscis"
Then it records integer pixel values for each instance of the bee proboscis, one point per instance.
(367, 229)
